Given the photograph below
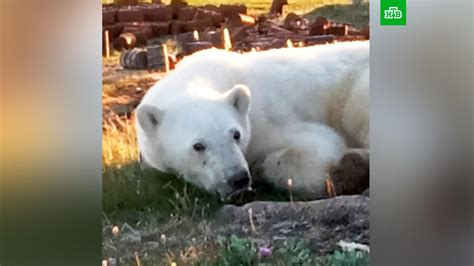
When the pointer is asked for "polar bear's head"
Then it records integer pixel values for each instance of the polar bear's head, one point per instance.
(201, 139)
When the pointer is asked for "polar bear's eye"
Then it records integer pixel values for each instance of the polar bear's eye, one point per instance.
(199, 147)
(236, 135)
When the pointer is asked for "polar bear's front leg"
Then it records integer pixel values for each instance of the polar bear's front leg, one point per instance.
(306, 172)
(307, 154)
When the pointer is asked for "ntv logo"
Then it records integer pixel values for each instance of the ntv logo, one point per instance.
(393, 13)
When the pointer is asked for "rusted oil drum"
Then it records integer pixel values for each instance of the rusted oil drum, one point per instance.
(134, 59)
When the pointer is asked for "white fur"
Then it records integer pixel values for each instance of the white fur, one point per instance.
(300, 102)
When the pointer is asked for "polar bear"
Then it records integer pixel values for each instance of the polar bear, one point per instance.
(285, 113)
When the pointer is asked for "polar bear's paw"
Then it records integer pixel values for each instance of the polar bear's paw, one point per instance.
(351, 174)
(297, 170)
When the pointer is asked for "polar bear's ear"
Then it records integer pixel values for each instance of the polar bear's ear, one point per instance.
(239, 98)
(149, 117)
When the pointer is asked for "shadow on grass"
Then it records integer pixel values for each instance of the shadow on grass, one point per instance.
(357, 15)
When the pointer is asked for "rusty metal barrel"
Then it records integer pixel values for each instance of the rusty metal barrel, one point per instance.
(156, 57)
(192, 47)
(126, 40)
(134, 59)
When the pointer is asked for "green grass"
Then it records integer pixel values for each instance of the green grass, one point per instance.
(239, 251)
(226, 251)
(357, 15)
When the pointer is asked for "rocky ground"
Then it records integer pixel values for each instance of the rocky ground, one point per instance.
(322, 223)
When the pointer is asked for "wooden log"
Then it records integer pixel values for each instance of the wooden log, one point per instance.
(125, 41)
(104, 46)
(227, 40)
(247, 20)
(277, 6)
(160, 13)
(130, 14)
(107, 44)
(166, 58)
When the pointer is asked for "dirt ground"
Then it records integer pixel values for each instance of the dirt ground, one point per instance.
(123, 89)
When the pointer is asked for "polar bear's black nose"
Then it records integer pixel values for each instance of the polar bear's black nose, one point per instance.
(240, 180)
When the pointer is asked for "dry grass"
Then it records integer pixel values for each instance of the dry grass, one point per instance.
(119, 146)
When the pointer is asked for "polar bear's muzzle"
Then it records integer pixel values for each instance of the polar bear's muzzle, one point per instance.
(236, 184)
(240, 180)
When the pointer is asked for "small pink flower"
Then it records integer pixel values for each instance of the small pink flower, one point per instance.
(265, 252)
